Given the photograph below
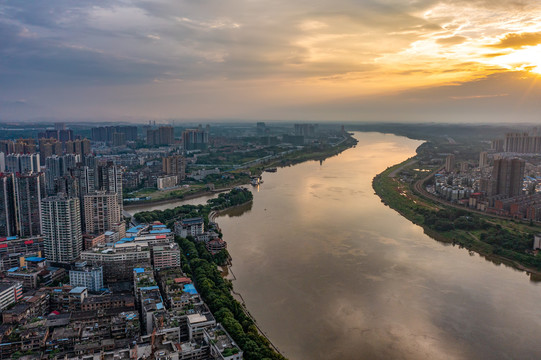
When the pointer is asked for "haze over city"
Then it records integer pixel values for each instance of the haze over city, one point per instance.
(452, 61)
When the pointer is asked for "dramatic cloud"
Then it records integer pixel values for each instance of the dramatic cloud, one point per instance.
(518, 41)
(248, 59)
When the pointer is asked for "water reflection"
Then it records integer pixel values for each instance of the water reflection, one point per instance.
(332, 273)
(237, 210)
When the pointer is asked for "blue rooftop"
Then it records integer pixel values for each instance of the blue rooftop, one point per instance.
(136, 229)
(158, 226)
(164, 231)
(139, 270)
(35, 259)
(13, 269)
(190, 289)
(159, 306)
(12, 238)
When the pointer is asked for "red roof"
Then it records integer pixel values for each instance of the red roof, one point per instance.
(182, 280)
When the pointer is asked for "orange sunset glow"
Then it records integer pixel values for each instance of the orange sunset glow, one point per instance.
(243, 60)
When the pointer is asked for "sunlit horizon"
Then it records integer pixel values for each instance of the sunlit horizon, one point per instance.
(249, 60)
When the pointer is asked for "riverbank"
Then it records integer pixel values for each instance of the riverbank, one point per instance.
(166, 201)
(288, 160)
(456, 226)
(201, 265)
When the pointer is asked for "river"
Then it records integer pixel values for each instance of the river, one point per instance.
(330, 272)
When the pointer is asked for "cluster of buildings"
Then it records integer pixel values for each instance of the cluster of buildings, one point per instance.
(195, 228)
(126, 298)
(75, 281)
(500, 184)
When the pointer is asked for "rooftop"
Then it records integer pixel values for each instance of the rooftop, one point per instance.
(189, 288)
(35, 259)
(78, 290)
(192, 221)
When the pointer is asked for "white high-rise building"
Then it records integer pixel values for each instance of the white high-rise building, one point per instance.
(22, 163)
(61, 224)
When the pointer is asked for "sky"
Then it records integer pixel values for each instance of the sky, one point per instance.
(317, 60)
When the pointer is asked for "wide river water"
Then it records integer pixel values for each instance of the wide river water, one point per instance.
(330, 272)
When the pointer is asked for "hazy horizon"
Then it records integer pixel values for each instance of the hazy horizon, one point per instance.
(347, 61)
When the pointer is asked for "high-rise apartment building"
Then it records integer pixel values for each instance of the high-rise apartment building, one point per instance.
(25, 146)
(7, 146)
(57, 167)
(106, 133)
(29, 192)
(163, 135)
(61, 223)
(2, 162)
(307, 130)
(119, 139)
(483, 159)
(507, 177)
(110, 179)
(22, 163)
(78, 147)
(523, 143)
(101, 212)
(193, 139)
(49, 147)
(450, 163)
(174, 165)
(8, 219)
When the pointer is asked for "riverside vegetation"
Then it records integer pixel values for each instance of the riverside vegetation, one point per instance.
(200, 265)
(240, 177)
(499, 240)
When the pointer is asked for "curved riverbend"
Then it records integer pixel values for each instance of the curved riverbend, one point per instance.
(330, 272)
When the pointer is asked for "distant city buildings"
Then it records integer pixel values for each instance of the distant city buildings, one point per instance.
(483, 159)
(107, 133)
(60, 133)
(306, 130)
(523, 143)
(194, 139)
(163, 135)
(450, 163)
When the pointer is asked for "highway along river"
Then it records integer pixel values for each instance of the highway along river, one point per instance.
(330, 272)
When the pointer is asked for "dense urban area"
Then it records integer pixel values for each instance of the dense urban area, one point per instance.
(83, 279)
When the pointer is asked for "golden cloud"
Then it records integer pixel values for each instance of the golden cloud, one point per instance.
(518, 40)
